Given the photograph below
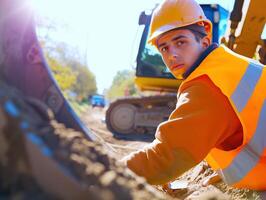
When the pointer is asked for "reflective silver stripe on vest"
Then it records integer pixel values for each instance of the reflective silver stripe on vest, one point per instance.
(250, 154)
(246, 86)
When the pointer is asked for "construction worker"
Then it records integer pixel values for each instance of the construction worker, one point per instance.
(220, 113)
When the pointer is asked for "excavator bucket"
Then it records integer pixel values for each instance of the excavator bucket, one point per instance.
(26, 157)
(45, 150)
(22, 64)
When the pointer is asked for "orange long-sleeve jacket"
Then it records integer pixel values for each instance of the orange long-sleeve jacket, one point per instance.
(203, 119)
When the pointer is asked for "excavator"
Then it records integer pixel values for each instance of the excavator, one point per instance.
(140, 116)
(46, 152)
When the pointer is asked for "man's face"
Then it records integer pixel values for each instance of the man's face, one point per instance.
(180, 50)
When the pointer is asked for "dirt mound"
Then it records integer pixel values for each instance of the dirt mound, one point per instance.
(193, 185)
(25, 121)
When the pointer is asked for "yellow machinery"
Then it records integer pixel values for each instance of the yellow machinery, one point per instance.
(140, 116)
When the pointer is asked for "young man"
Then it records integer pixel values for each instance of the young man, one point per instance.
(220, 114)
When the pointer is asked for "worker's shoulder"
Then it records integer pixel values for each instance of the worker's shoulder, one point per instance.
(202, 92)
(201, 83)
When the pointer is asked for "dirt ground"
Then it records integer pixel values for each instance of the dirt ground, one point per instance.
(198, 183)
(33, 145)
(94, 120)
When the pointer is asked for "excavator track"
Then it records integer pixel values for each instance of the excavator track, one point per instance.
(138, 116)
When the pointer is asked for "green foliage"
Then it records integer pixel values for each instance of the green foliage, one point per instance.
(63, 74)
(86, 83)
(68, 70)
(123, 85)
(154, 65)
(151, 56)
(67, 63)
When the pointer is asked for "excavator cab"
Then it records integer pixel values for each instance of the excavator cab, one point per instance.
(151, 72)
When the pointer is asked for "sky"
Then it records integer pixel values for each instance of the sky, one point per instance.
(106, 32)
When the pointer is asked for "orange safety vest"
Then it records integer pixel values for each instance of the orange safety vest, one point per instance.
(243, 81)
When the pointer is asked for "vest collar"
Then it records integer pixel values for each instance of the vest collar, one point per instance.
(200, 59)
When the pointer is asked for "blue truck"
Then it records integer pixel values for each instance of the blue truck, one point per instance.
(97, 101)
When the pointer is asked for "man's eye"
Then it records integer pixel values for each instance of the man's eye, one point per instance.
(163, 49)
(180, 43)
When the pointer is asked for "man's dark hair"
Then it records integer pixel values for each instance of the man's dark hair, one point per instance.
(198, 31)
(198, 35)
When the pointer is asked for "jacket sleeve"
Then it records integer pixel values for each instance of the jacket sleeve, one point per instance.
(203, 119)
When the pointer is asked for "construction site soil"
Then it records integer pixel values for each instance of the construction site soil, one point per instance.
(94, 166)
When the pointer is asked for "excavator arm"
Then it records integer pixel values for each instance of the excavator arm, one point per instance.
(247, 42)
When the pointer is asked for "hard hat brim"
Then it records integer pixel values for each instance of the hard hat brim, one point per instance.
(169, 27)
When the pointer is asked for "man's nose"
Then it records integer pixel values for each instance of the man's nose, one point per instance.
(173, 53)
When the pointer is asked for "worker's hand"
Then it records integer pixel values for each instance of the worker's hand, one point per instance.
(214, 178)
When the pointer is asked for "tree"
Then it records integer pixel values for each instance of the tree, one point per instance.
(66, 62)
(85, 84)
(63, 74)
(123, 85)
(69, 72)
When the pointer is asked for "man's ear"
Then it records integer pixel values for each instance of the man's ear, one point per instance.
(205, 41)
